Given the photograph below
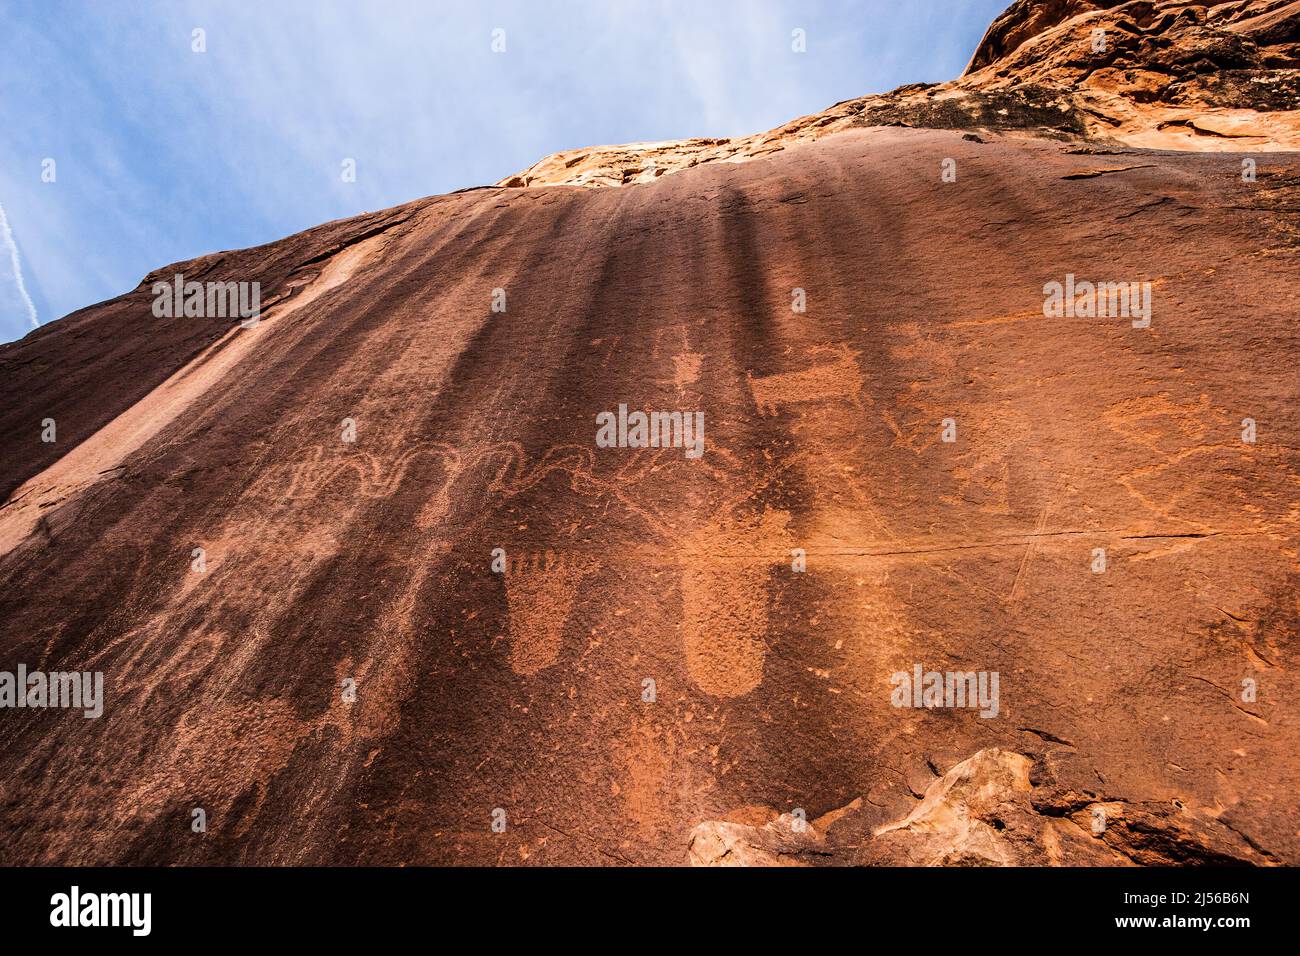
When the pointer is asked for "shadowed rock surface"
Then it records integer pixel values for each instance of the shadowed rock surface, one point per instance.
(772, 737)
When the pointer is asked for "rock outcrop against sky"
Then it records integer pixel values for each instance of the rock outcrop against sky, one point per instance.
(1168, 75)
(984, 547)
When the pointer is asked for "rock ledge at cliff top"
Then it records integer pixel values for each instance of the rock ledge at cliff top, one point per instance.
(1172, 75)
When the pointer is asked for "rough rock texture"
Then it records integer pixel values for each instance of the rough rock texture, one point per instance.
(996, 808)
(786, 841)
(525, 691)
(1172, 75)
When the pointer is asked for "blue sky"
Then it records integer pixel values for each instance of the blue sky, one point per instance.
(161, 153)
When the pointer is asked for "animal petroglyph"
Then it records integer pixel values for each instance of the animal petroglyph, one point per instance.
(1159, 423)
(516, 474)
(839, 380)
(367, 475)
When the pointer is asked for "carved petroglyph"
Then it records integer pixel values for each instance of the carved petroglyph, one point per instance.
(516, 474)
(539, 595)
(1160, 424)
(363, 474)
(725, 567)
(686, 369)
(838, 380)
(647, 754)
(1180, 436)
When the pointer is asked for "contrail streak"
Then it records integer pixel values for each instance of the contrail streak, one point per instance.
(6, 234)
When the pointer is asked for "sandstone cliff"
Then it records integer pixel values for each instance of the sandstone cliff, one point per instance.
(1167, 74)
(347, 678)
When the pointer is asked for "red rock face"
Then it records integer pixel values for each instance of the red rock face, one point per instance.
(679, 659)
(1028, 20)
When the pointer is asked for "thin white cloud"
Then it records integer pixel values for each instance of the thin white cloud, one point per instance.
(190, 153)
(7, 237)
